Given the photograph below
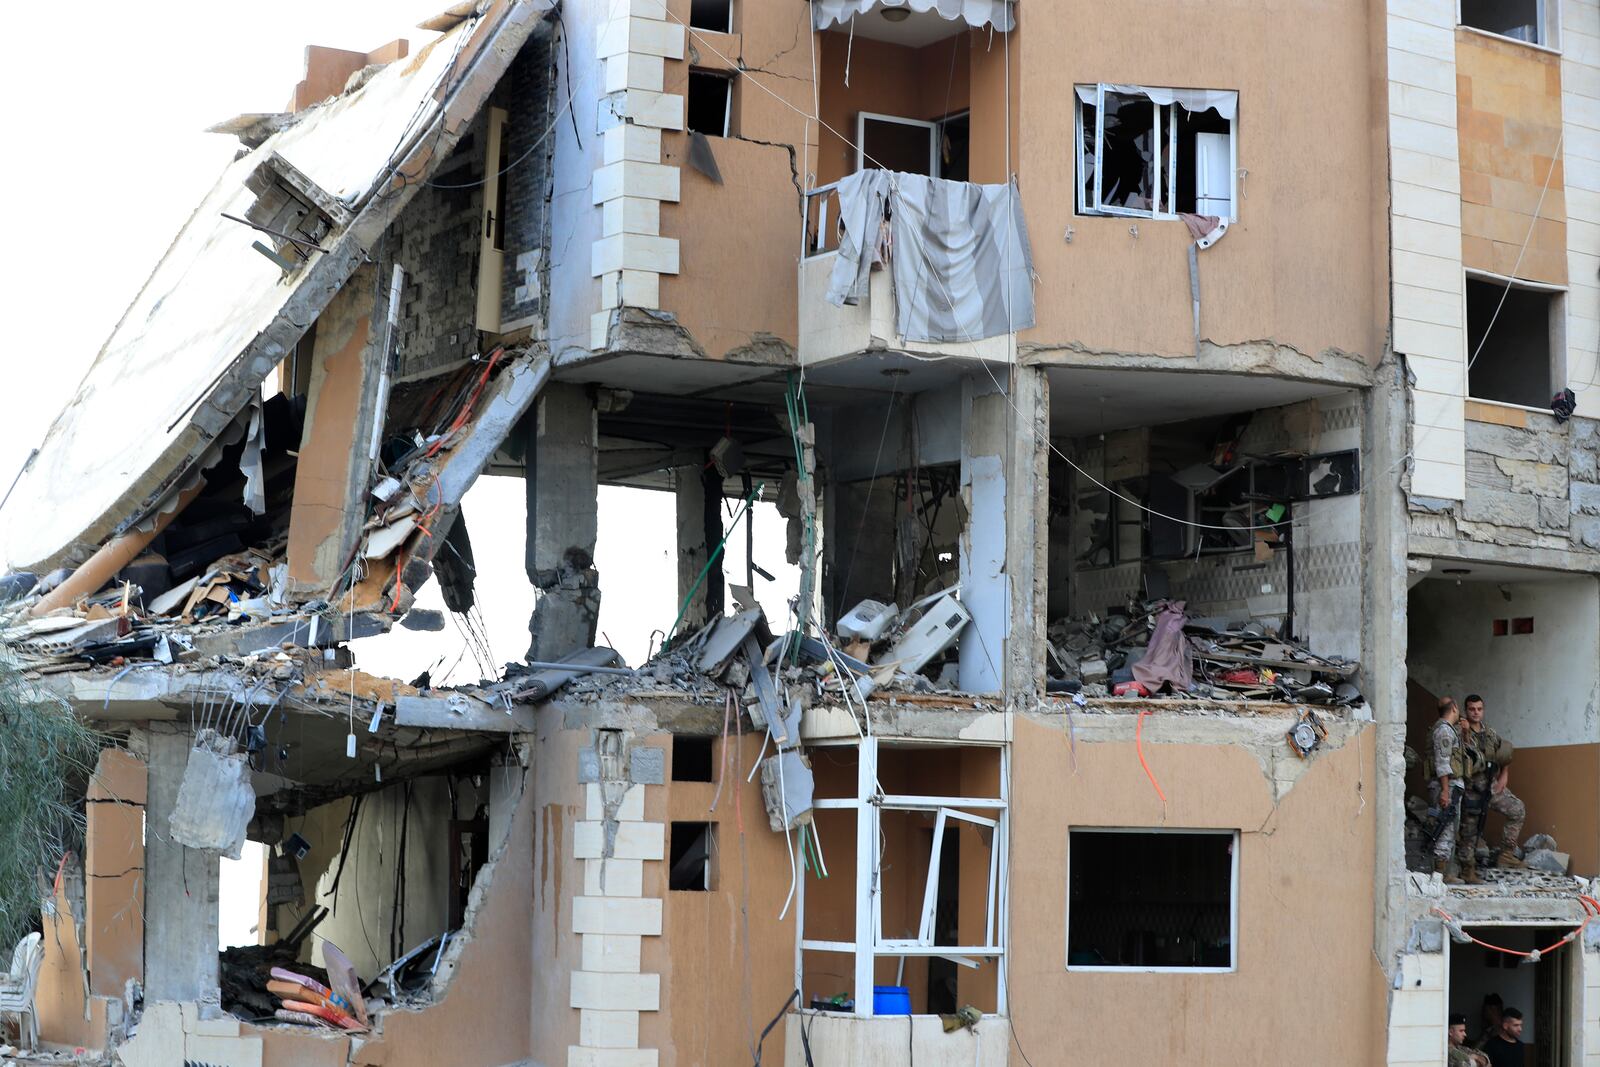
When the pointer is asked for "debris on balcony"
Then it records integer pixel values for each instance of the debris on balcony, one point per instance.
(1224, 660)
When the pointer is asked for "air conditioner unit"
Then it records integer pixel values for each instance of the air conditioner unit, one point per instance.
(1213, 175)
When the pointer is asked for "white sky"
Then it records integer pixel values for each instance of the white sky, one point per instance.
(110, 163)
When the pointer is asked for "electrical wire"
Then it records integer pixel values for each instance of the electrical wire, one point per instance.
(969, 340)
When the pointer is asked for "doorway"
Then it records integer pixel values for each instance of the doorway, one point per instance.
(1541, 991)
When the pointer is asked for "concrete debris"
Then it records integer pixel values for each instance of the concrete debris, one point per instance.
(1230, 661)
(215, 798)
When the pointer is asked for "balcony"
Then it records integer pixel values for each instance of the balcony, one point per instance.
(938, 295)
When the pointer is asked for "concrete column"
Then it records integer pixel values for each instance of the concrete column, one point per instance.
(561, 461)
(692, 545)
(181, 886)
(1385, 536)
(1002, 565)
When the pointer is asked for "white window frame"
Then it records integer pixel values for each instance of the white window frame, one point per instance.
(1167, 153)
(1547, 16)
(869, 945)
(1560, 372)
(1233, 900)
(932, 128)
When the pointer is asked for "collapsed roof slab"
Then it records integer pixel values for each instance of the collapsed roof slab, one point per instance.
(217, 315)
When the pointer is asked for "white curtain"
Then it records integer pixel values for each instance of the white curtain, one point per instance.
(975, 13)
(1225, 101)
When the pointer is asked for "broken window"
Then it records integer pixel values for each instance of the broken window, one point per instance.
(1152, 900)
(927, 903)
(1153, 153)
(689, 860)
(1514, 342)
(713, 15)
(710, 107)
(1532, 21)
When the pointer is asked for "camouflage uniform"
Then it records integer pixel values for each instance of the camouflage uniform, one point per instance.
(1444, 757)
(1462, 1056)
(1486, 752)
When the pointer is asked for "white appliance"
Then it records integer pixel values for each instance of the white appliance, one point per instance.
(1213, 175)
(930, 635)
(867, 621)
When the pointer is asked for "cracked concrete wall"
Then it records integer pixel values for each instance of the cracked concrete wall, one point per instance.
(1532, 484)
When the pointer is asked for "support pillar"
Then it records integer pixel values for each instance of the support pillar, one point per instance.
(1385, 537)
(1004, 442)
(692, 547)
(181, 886)
(563, 484)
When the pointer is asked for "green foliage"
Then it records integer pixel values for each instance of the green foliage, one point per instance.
(46, 756)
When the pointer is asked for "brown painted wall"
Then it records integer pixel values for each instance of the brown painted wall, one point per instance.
(1305, 266)
(1305, 894)
(322, 480)
(1298, 265)
(1560, 785)
(1508, 117)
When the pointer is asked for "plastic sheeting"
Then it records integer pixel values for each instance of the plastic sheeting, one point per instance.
(962, 266)
(1224, 101)
(975, 13)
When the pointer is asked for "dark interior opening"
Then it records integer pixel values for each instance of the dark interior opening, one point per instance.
(1517, 19)
(713, 15)
(710, 96)
(692, 759)
(689, 856)
(955, 140)
(1512, 364)
(1150, 899)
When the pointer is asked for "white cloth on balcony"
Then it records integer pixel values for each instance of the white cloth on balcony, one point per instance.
(975, 13)
(960, 259)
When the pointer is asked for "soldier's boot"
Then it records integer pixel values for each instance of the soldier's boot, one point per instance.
(1443, 867)
(1469, 872)
(1507, 858)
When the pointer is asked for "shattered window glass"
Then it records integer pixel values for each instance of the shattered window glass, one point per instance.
(1140, 158)
(1127, 152)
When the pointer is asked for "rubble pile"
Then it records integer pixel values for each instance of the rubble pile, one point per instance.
(1228, 661)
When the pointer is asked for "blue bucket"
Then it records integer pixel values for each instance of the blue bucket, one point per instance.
(891, 1000)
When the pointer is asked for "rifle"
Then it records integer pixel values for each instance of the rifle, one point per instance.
(1484, 797)
(1441, 816)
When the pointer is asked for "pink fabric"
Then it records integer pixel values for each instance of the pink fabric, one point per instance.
(1199, 225)
(1168, 657)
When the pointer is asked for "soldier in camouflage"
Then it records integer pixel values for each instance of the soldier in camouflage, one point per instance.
(1488, 771)
(1443, 764)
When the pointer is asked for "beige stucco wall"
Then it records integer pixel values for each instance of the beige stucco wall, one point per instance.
(1305, 905)
(1298, 268)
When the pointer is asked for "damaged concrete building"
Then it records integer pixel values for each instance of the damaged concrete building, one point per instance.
(1116, 401)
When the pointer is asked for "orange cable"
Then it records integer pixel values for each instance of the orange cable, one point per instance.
(1138, 743)
(1591, 911)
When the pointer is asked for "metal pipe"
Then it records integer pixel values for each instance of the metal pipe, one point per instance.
(578, 668)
